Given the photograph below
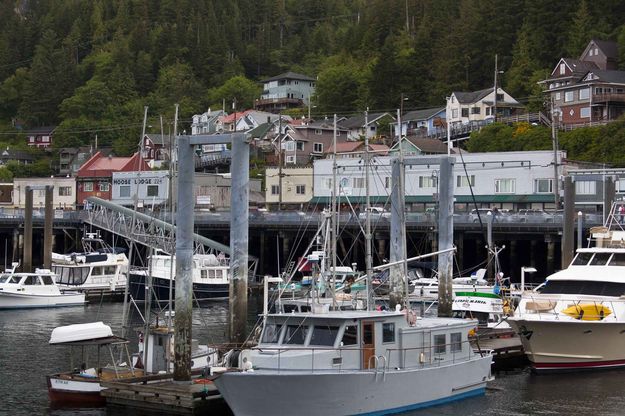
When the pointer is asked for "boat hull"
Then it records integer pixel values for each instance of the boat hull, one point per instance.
(352, 393)
(160, 289)
(569, 345)
(13, 300)
(73, 393)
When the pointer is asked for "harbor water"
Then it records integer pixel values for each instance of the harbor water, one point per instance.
(26, 358)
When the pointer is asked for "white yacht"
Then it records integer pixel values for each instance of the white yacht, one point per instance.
(426, 288)
(98, 268)
(576, 318)
(211, 277)
(354, 362)
(35, 290)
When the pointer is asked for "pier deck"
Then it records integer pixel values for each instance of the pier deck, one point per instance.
(160, 394)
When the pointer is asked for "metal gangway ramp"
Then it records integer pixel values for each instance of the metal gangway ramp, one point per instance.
(144, 229)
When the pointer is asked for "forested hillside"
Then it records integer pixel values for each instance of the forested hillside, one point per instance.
(91, 66)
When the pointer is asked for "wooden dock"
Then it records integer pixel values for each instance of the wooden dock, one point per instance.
(506, 346)
(160, 394)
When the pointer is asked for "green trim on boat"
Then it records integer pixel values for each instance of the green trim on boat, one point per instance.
(478, 295)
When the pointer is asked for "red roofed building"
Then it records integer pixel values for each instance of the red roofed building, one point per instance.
(95, 175)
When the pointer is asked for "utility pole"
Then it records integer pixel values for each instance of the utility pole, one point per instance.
(407, 19)
(554, 137)
(280, 161)
(495, 91)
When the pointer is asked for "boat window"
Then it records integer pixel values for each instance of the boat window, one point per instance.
(32, 280)
(388, 332)
(367, 334)
(289, 308)
(582, 259)
(439, 344)
(583, 287)
(324, 335)
(600, 259)
(71, 275)
(14, 279)
(5, 278)
(109, 269)
(350, 335)
(271, 334)
(203, 273)
(456, 342)
(295, 334)
(96, 271)
(47, 280)
(304, 308)
(211, 274)
(618, 259)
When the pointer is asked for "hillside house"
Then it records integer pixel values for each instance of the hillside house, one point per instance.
(358, 129)
(479, 106)
(288, 90)
(423, 123)
(40, 136)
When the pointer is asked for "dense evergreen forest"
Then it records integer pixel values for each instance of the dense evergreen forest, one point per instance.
(90, 66)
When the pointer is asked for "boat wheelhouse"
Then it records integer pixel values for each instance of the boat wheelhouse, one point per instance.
(576, 318)
(487, 308)
(35, 290)
(355, 362)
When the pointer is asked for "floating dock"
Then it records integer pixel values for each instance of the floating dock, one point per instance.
(160, 394)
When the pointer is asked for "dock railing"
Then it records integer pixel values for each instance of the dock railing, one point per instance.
(555, 307)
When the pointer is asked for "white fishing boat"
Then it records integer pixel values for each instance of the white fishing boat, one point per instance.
(97, 268)
(354, 362)
(35, 290)
(81, 387)
(426, 288)
(487, 308)
(576, 319)
(211, 277)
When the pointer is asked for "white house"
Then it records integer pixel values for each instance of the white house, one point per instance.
(64, 194)
(297, 185)
(466, 107)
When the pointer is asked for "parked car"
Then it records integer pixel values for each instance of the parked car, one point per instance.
(534, 215)
(375, 213)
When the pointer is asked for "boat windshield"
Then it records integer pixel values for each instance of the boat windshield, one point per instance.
(600, 259)
(583, 287)
(324, 335)
(9, 278)
(271, 334)
(618, 259)
(582, 259)
(74, 276)
(295, 334)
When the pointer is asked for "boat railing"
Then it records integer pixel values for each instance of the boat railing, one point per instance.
(557, 307)
(399, 358)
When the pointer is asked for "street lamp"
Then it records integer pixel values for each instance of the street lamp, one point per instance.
(401, 113)
(523, 271)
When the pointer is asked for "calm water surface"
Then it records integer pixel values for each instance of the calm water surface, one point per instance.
(26, 358)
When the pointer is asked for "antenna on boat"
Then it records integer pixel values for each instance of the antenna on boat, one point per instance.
(368, 257)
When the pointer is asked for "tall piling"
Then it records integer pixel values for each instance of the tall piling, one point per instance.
(445, 235)
(28, 232)
(568, 223)
(47, 228)
(396, 279)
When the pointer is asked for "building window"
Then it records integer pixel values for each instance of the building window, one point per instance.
(488, 111)
(504, 186)
(388, 182)
(543, 186)
(388, 332)
(465, 112)
(88, 187)
(463, 181)
(152, 190)
(289, 146)
(103, 186)
(584, 93)
(124, 191)
(290, 159)
(300, 146)
(585, 187)
(499, 97)
(558, 96)
(275, 189)
(318, 131)
(439, 344)
(569, 96)
(65, 191)
(327, 183)
(454, 113)
(300, 189)
(455, 342)
(427, 182)
(358, 182)
(475, 110)
(562, 68)
(584, 112)
(317, 147)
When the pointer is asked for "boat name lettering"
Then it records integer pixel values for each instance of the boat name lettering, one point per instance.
(471, 301)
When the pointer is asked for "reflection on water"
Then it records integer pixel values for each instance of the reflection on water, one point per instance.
(26, 358)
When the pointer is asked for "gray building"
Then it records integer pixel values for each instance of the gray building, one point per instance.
(285, 91)
(150, 187)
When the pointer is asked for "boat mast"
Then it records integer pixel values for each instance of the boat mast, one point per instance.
(172, 173)
(335, 222)
(368, 257)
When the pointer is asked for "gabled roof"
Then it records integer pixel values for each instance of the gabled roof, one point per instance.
(260, 131)
(471, 97)
(162, 139)
(104, 164)
(10, 154)
(577, 67)
(615, 77)
(324, 125)
(41, 130)
(289, 75)
(427, 146)
(425, 114)
(348, 147)
(359, 121)
(608, 47)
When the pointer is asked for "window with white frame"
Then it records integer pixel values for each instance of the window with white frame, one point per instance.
(585, 187)
(455, 342)
(289, 146)
(152, 190)
(103, 186)
(584, 112)
(124, 191)
(439, 344)
(300, 189)
(275, 189)
(543, 186)
(318, 131)
(562, 68)
(454, 113)
(388, 182)
(65, 191)
(584, 93)
(427, 182)
(290, 159)
(300, 146)
(317, 147)
(462, 181)
(465, 112)
(358, 182)
(88, 187)
(475, 110)
(569, 96)
(505, 186)
(558, 96)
